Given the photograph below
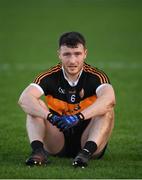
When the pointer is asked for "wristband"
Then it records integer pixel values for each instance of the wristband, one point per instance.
(80, 116)
(49, 116)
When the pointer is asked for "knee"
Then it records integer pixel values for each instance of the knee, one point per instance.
(110, 115)
(109, 120)
(34, 119)
(42, 103)
(107, 117)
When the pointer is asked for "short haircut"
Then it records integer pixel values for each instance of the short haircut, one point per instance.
(72, 39)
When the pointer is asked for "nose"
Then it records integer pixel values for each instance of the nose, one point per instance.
(72, 59)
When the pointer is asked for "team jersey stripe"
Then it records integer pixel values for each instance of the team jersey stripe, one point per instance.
(102, 76)
(62, 107)
(100, 72)
(48, 72)
(102, 79)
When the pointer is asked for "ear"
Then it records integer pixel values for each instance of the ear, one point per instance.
(58, 54)
(86, 52)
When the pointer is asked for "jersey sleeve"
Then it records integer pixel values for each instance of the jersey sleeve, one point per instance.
(98, 79)
(101, 78)
(46, 80)
(42, 81)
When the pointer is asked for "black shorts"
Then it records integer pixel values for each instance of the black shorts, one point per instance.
(73, 141)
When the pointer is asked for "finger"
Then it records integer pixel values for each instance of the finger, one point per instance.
(56, 121)
(60, 125)
(66, 128)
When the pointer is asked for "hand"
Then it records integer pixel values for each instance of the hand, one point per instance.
(68, 121)
(53, 119)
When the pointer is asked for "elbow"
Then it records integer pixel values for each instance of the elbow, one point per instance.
(21, 101)
(111, 104)
(113, 101)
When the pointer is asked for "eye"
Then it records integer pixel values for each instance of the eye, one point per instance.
(77, 53)
(66, 54)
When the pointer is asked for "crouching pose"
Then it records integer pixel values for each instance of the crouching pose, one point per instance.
(77, 119)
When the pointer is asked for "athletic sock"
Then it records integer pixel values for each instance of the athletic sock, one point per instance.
(36, 145)
(90, 147)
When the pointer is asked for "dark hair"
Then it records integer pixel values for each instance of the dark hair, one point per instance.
(71, 39)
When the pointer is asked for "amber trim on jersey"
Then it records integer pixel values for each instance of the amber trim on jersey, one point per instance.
(87, 68)
(62, 107)
(102, 76)
(47, 73)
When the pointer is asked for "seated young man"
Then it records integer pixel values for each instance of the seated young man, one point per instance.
(77, 118)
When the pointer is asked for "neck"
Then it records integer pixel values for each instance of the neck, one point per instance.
(72, 79)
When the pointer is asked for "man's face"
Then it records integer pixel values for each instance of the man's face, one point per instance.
(72, 59)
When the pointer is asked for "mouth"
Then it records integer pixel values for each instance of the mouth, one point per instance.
(72, 66)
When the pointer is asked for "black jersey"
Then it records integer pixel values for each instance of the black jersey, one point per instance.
(62, 98)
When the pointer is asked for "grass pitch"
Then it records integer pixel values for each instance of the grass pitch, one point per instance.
(29, 32)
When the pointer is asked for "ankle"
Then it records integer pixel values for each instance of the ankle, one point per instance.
(90, 147)
(37, 145)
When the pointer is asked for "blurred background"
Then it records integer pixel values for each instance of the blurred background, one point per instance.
(29, 33)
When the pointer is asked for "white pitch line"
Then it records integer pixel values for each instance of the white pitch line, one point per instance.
(112, 65)
(120, 65)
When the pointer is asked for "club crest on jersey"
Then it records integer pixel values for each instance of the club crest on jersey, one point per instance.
(72, 92)
(77, 107)
(81, 93)
(61, 91)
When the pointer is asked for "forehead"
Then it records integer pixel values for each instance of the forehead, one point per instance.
(65, 48)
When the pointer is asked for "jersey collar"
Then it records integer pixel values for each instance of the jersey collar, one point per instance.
(71, 83)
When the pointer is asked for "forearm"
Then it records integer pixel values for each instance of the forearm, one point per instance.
(99, 108)
(105, 102)
(32, 106)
